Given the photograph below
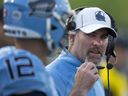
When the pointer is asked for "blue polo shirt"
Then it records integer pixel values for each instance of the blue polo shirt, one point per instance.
(63, 71)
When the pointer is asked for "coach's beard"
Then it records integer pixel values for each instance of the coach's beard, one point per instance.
(94, 58)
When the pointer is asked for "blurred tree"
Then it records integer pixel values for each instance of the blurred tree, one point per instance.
(1, 1)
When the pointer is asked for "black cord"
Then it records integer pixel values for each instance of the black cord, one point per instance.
(109, 66)
(108, 82)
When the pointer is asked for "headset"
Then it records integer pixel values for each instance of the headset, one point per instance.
(71, 25)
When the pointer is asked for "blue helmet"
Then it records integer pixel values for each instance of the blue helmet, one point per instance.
(37, 19)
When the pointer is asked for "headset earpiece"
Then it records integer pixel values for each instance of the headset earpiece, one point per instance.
(110, 47)
(71, 25)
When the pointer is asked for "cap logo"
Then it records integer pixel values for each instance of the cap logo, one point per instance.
(100, 16)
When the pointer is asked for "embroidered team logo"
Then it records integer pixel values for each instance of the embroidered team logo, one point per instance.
(100, 16)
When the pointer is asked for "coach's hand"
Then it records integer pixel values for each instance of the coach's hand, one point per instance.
(86, 76)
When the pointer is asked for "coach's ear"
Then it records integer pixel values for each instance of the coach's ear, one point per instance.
(71, 39)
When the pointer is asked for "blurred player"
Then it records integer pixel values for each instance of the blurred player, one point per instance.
(23, 74)
(38, 26)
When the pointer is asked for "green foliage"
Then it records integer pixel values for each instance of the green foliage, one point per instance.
(1, 1)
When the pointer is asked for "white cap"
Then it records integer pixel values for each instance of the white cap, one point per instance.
(91, 19)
